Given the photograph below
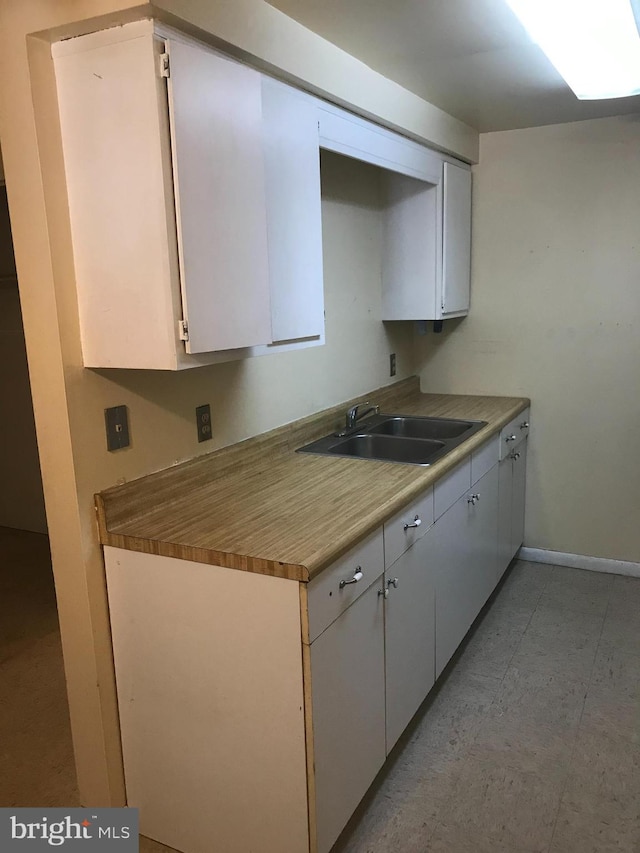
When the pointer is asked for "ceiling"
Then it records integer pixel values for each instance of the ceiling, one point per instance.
(471, 58)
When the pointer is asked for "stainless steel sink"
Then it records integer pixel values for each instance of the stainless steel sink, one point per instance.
(369, 446)
(397, 438)
(429, 428)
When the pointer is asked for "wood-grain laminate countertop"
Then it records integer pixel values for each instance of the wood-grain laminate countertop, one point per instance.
(260, 506)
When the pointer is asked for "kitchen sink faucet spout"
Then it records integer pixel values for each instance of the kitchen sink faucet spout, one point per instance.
(354, 415)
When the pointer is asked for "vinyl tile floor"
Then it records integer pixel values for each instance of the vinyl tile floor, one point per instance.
(530, 743)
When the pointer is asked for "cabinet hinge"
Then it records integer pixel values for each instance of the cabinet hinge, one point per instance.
(164, 65)
(183, 330)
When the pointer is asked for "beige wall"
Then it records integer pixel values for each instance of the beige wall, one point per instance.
(246, 397)
(556, 316)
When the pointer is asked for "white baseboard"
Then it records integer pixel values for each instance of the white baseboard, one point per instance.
(579, 561)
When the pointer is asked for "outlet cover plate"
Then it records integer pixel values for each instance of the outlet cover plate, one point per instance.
(117, 424)
(203, 421)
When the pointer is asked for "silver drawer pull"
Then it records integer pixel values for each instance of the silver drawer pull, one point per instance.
(473, 499)
(415, 523)
(357, 576)
(392, 583)
(511, 438)
(524, 425)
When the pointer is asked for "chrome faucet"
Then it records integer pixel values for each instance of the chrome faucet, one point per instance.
(354, 415)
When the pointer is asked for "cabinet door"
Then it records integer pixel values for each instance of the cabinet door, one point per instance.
(456, 239)
(505, 500)
(518, 496)
(347, 682)
(409, 636)
(294, 216)
(215, 108)
(464, 553)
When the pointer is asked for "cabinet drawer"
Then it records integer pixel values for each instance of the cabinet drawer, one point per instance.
(484, 459)
(447, 490)
(513, 433)
(327, 599)
(398, 537)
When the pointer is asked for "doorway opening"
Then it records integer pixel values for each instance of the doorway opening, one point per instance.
(36, 754)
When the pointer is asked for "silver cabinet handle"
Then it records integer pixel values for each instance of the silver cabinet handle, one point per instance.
(511, 438)
(524, 425)
(384, 593)
(415, 523)
(357, 576)
(515, 455)
(393, 582)
(473, 499)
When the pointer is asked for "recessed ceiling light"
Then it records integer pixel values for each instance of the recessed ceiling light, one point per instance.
(594, 44)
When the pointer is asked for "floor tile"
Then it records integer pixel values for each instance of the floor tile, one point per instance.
(612, 705)
(560, 641)
(448, 838)
(577, 589)
(622, 630)
(524, 583)
(509, 806)
(535, 713)
(36, 754)
(616, 670)
(488, 652)
(452, 720)
(625, 596)
(409, 802)
(605, 763)
(590, 822)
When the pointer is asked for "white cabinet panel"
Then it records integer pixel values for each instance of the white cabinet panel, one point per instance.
(518, 496)
(513, 472)
(484, 459)
(456, 246)
(407, 527)
(411, 249)
(294, 222)
(448, 489)
(216, 135)
(356, 137)
(338, 587)
(347, 676)
(505, 514)
(465, 553)
(115, 141)
(409, 636)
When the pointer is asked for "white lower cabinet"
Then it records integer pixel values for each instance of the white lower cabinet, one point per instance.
(513, 469)
(409, 636)
(255, 711)
(347, 683)
(464, 555)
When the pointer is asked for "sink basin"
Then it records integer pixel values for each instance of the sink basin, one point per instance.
(429, 428)
(388, 449)
(406, 439)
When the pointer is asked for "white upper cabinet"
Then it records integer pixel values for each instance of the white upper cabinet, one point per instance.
(294, 218)
(194, 202)
(215, 110)
(456, 240)
(193, 184)
(427, 217)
